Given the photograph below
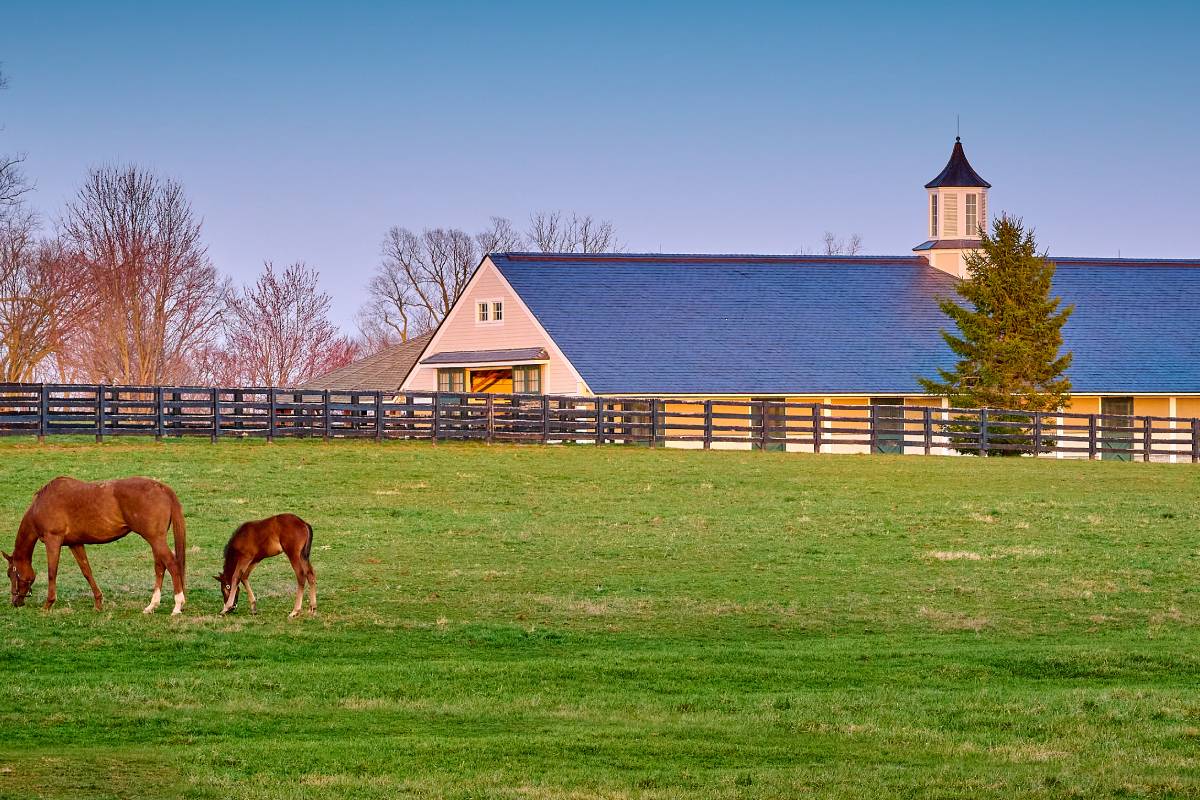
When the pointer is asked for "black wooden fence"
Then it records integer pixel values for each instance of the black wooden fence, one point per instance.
(54, 409)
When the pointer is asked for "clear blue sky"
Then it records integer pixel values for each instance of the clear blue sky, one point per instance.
(305, 130)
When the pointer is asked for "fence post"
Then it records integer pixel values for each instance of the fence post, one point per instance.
(158, 413)
(270, 414)
(653, 434)
(379, 416)
(708, 424)
(489, 405)
(545, 418)
(435, 427)
(1091, 437)
(983, 432)
(873, 429)
(817, 423)
(43, 411)
(1037, 433)
(764, 429)
(216, 414)
(927, 426)
(1147, 439)
(100, 413)
(1195, 440)
(325, 415)
(599, 420)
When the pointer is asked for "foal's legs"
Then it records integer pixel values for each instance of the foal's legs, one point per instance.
(53, 548)
(86, 568)
(249, 591)
(301, 577)
(312, 586)
(239, 572)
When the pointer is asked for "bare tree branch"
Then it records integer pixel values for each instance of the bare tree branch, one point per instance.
(12, 178)
(158, 298)
(42, 293)
(278, 331)
(552, 232)
(834, 246)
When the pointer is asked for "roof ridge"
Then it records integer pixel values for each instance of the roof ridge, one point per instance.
(764, 257)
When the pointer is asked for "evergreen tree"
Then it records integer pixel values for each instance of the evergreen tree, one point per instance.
(1009, 335)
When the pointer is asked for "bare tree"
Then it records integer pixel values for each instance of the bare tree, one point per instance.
(278, 331)
(834, 246)
(552, 232)
(42, 295)
(158, 298)
(420, 276)
(418, 280)
(500, 237)
(12, 179)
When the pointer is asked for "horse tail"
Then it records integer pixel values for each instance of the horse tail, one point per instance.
(307, 545)
(180, 531)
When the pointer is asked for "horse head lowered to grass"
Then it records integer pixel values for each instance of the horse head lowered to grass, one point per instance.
(75, 513)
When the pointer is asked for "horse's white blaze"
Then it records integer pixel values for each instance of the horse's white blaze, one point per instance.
(178, 604)
(155, 599)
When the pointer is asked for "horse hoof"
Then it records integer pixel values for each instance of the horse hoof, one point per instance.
(148, 610)
(293, 615)
(176, 612)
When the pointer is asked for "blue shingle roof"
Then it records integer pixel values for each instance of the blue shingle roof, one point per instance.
(701, 324)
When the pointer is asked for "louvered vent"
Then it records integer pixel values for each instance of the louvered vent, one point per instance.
(983, 220)
(950, 216)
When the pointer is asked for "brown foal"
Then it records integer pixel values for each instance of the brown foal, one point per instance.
(254, 541)
(76, 513)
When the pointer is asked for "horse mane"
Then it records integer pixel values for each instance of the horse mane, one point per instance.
(229, 551)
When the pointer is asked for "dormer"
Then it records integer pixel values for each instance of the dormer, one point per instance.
(957, 212)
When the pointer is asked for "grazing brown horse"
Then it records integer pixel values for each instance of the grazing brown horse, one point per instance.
(76, 513)
(254, 541)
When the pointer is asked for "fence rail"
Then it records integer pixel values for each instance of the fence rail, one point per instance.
(164, 411)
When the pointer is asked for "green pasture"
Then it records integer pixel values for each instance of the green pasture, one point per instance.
(574, 622)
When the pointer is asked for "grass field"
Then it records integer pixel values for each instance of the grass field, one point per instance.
(570, 622)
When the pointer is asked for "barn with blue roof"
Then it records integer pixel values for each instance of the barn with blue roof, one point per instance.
(840, 329)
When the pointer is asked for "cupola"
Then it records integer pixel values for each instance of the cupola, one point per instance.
(957, 204)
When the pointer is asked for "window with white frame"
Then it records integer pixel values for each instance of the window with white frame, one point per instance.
(452, 380)
(972, 215)
(489, 311)
(933, 216)
(527, 379)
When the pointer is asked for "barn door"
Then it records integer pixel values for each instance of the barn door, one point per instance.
(1116, 415)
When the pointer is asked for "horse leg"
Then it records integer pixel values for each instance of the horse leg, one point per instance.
(156, 598)
(163, 558)
(249, 591)
(234, 580)
(312, 587)
(53, 548)
(86, 568)
(301, 578)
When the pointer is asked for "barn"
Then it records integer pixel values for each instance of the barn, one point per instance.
(858, 330)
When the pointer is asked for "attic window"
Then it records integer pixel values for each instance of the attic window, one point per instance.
(972, 215)
(489, 311)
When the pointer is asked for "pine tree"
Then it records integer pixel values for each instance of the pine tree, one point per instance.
(1009, 334)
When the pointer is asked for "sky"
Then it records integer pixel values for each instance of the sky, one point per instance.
(303, 131)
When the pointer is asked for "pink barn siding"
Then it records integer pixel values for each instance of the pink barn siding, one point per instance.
(461, 331)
